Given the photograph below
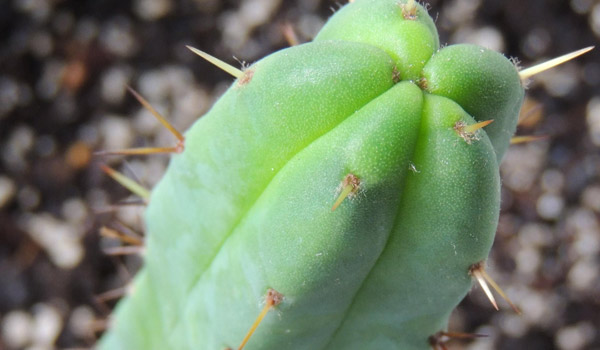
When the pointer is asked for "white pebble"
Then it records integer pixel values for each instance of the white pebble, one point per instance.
(16, 328)
(581, 6)
(40, 10)
(593, 120)
(114, 84)
(48, 86)
(535, 235)
(62, 241)
(583, 275)
(487, 37)
(575, 337)
(7, 190)
(19, 143)
(522, 164)
(116, 133)
(540, 308)
(560, 82)
(152, 9)
(74, 210)
(528, 260)
(513, 325)
(587, 243)
(153, 85)
(87, 30)
(590, 198)
(550, 206)
(536, 42)
(117, 37)
(41, 44)
(9, 95)
(132, 216)
(553, 180)
(28, 198)
(47, 324)
(595, 19)
(81, 321)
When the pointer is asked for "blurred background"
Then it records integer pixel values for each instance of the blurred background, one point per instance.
(64, 67)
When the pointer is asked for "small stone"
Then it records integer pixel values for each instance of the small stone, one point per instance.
(48, 86)
(488, 37)
(116, 133)
(595, 19)
(9, 95)
(16, 328)
(152, 9)
(575, 337)
(28, 198)
(536, 42)
(19, 143)
(553, 181)
(7, 190)
(593, 118)
(81, 322)
(74, 210)
(513, 325)
(583, 275)
(47, 324)
(581, 6)
(550, 206)
(591, 198)
(118, 38)
(528, 260)
(522, 164)
(62, 241)
(41, 44)
(114, 83)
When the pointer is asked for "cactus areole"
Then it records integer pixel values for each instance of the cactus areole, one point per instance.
(372, 116)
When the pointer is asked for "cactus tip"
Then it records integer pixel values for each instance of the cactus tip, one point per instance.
(236, 73)
(348, 187)
(538, 68)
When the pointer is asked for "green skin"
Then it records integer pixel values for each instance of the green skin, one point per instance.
(247, 206)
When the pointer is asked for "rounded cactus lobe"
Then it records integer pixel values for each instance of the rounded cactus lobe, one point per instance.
(291, 240)
(232, 153)
(484, 83)
(382, 23)
(446, 222)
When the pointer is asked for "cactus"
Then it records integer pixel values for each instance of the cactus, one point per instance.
(349, 186)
